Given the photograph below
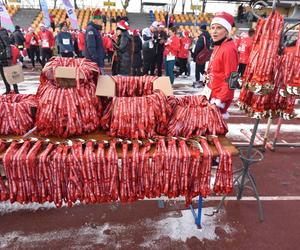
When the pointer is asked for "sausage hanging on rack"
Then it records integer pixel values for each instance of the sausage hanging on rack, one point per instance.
(259, 73)
(224, 176)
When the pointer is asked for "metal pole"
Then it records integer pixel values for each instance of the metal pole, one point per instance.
(266, 136)
(198, 222)
(277, 133)
(247, 163)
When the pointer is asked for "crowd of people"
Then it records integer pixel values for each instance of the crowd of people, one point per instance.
(139, 52)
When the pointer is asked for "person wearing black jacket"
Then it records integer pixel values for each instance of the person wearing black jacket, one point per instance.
(137, 54)
(204, 38)
(148, 48)
(5, 57)
(17, 38)
(124, 50)
(94, 49)
(160, 37)
(115, 59)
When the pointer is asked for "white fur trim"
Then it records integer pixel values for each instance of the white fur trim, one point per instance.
(218, 103)
(223, 22)
(123, 27)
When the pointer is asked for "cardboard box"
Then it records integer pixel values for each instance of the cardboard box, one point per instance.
(66, 76)
(14, 74)
(66, 72)
(107, 87)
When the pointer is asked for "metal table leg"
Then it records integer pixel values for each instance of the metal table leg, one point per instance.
(199, 216)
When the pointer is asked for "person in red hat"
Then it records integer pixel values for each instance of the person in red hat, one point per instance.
(183, 54)
(124, 49)
(223, 64)
(94, 49)
(46, 42)
(32, 45)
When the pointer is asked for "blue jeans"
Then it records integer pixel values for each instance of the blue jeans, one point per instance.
(169, 67)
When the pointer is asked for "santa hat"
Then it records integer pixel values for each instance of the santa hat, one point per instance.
(185, 33)
(123, 25)
(224, 19)
(30, 29)
(96, 14)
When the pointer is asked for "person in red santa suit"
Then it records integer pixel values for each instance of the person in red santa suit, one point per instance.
(183, 54)
(81, 44)
(170, 53)
(244, 49)
(32, 46)
(46, 42)
(223, 63)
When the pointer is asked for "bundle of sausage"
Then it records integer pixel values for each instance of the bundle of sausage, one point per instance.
(129, 86)
(16, 113)
(39, 171)
(278, 102)
(63, 111)
(292, 69)
(137, 117)
(195, 116)
(259, 73)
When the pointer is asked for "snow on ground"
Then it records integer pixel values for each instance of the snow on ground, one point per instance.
(184, 227)
(176, 226)
(7, 207)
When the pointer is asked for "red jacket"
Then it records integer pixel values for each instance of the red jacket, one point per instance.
(15, 54)
(81, 41)
(244, 49)
(46, 39)
(31, 39)
(172, 46)
(223, 62)
(107, 43)
(185, 44)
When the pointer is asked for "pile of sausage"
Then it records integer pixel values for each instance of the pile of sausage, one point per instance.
(130, 86)
(281, 101)
(102, 171)
(259, 73)
(137, 117)
(67, 112)
(291, 69)
(195, 116)
(16, 116)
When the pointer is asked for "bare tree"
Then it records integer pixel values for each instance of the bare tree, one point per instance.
(55, 2)
(183, 6)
